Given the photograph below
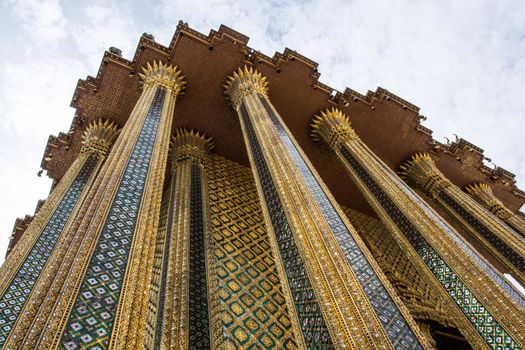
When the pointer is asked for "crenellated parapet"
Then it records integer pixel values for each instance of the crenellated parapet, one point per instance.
(293, 76)
(21, 225)
(87, 215)
(127, 254)
(19, 228)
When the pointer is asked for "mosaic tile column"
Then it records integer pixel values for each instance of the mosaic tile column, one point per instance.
(340, 297)
(484, 195)
(38, 324)
(493, 312)
(20, 272)
(501, 241)
(182, 320)
(99, 296)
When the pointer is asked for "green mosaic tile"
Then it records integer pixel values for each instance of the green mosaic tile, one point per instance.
(491, 331)
(249, 289)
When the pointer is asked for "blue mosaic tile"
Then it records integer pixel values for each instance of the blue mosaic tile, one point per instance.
(398, 330)
(453, 235)
(485, 232)
(313, 326)
(91, 320)
(17, 293)
(489, 328)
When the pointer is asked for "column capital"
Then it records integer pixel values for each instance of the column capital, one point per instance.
(244, 82)
(482, 192)
(332, 127)
(99, 137)
(167, 76)
(423, 173)
(190, 144)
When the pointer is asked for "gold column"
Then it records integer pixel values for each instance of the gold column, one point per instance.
(338, 292)
(425, 328)
(424, 299)
(22, 269)
(156, 295)
(183, 320)
(501, 241)
(473, 287)
(484, 195)
(99, 292)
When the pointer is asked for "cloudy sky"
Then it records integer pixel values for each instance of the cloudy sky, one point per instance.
(462, 62)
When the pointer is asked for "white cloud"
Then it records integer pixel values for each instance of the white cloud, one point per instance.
(101, 27)
(44, 20)
(34, 103)
(37, 95)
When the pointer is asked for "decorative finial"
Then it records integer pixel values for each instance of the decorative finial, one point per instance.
(482, 193)
(99, 137)
(423, 173)
(479, 186)
(190, 144)
(332, 127)
(167, 76)
(245, 82)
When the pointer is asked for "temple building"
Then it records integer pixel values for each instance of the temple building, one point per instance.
(208, 196)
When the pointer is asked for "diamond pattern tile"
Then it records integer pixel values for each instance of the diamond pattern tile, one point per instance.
(315, 331)
(454, 236)
(254, 313)
(495, 336)
(399, 333)
(16, 295)
(92, 316)
(485, 232)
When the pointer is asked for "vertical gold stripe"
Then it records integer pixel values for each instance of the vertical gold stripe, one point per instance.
(333, 280)
(173, 334)
(28, 317)
(84, 234)
(346, 309)
(468, 270)
(421, 171)
(131, 313)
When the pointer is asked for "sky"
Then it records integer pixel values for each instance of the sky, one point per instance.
(461, 62)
